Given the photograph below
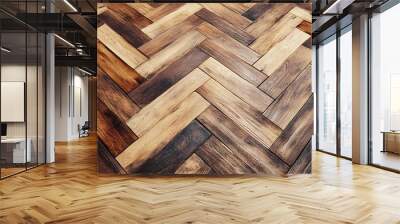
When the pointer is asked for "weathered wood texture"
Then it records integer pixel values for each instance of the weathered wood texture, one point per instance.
(204, 88)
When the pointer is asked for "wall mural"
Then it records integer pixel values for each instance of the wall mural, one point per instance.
(204, 89)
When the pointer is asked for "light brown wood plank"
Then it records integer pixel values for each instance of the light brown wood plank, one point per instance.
(162, 11)
(302, 13)
(164, 57)
(119, 46)
(194, 165)
(234, 18)
(169, 36)
(171, 20)
(142, 8)
(222, 159)
(296, 135)
(246, 148)
(164, 131)
(276, 33)
(272, 60)
(239, 7)
(244, 115)
(238, 86)
(289, 70)
(268, 19)
(150, 115)
(230, 44)
(125, 76)
(233, 62)
(284, 108)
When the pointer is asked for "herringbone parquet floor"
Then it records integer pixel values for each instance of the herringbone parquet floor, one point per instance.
(205, 88)
(70, 191)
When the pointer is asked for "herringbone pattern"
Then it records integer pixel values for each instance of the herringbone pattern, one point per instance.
(70, 191)
(210, 88)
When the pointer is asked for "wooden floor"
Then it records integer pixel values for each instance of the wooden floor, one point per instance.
(70, 191)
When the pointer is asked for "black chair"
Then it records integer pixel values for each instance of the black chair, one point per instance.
(84, 130)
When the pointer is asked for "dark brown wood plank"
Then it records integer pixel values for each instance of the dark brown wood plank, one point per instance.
(113, 132)
(278, 81)
(179, 149)
(130, 32)
(303, 162)
(162, 81)
(221, 159)
(125, 76)
(296, 135)
(305, 27)
(162, 40)
(286, 106)
(257, 157)
(129, 14)
(194, 165)
(308, 43)
(114, 97)
(233, 62)
(256, 11)
(106, 163)
(225, 26)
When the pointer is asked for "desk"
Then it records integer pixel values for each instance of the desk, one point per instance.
(13, 150)
(391, 141)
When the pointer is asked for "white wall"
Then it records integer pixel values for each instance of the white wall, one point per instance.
(70, 83)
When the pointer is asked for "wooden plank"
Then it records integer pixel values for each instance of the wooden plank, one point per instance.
(114, 98)
(194, 165)
(287, 72)
(171, 20)
(164, 131)
(276, 33)
(268, 19)
(233, 62)
(230, 44)
(235, 19)
(222, 159)
(303, 162)
(179, 149)
(238, 86)
(128, 31)
(129, 14)
(114, 133)
(163, 58)
(240, 112)
(284, 108)
(125, 76)
(165, 104)
(302, 13)
(305, 27)
(245, 147)
(162, 40)
(239, 7)
(296, 135)
(166, 78)
(129, 54)
(162, 11)
(257, 10)
(142, 8)
(106, 164)
(225, 26)
(272, 60)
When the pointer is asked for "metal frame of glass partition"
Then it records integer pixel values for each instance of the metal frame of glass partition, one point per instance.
(338, 75)
(382, 8)
(40, 53)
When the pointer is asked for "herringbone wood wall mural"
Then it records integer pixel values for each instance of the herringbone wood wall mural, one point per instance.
(211, 89)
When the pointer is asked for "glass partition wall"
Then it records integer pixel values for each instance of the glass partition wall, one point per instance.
(334, 93)
(22, 77)
(385, 89)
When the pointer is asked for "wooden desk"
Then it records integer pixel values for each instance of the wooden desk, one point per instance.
(391, 141)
